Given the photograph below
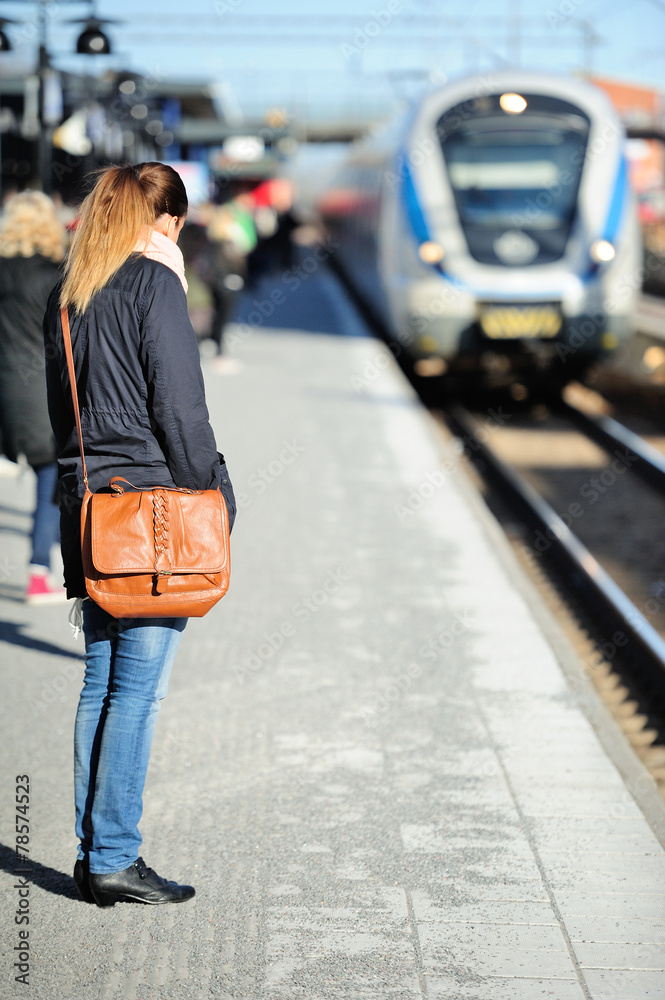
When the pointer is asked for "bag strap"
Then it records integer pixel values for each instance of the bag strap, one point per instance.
(64, 319)
(116, 481)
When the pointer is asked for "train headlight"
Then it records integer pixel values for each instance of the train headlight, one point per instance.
(602, 251)
(431, 252)
(513, 104)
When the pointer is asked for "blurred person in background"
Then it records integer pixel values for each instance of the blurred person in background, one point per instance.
(275, 223)
(231, 236)
(215, 247)
(32, 245)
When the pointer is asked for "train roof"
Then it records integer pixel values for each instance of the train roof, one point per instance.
(576, 90)
(570, 88)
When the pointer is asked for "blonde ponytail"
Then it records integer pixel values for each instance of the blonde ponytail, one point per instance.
(113, 218)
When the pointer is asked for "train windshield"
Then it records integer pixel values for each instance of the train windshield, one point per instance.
(515, 182)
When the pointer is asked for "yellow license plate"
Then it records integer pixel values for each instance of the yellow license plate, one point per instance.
(516, 322)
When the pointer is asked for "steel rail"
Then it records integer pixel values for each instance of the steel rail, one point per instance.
(614, 604)
(613, 436)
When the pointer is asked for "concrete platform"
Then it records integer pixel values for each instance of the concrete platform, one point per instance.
(376, 761)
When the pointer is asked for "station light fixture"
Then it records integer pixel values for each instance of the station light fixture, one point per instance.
(92, 41)
(431, 252)
(512, 104)
(602, 252)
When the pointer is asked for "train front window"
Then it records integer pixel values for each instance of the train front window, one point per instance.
(511, 175)
(522, 179)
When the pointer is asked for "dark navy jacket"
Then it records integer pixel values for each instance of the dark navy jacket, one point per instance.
(141, 396)
(25, 284)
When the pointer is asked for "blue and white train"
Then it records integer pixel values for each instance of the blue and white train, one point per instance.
(492, 228)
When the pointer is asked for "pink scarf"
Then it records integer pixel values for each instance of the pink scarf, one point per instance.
(164, 250)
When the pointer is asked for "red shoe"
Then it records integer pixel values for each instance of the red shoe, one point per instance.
(40, 590)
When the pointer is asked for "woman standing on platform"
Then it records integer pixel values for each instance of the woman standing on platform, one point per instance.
(144, 417)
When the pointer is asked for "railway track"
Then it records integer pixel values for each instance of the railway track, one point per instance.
(609, 621)
(606, 593)
(613, 436)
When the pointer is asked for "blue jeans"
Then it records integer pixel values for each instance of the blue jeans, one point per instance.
(128, 664)
(46, 523)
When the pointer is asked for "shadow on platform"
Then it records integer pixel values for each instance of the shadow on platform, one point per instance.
(49, 879)
(10, 632)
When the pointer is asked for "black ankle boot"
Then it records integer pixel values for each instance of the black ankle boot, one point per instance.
(138, 883)
(81, 875)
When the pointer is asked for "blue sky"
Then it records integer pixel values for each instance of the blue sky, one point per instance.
(340, 56)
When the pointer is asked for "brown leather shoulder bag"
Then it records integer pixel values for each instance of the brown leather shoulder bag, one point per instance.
(155, 553)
